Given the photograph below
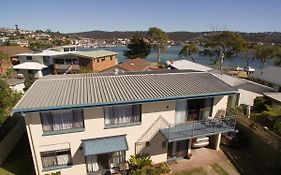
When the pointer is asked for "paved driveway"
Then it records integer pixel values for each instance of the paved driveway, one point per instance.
(206, 158)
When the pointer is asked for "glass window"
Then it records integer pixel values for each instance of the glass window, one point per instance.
(62, 120)
(199, 108)
(66, 49)
(28, 57)
(59, 61)
(74, 61)
(98, 60)
(68, 61)
(115, 115)
(103, 59)
(56, 158)
(118, 158)
(72, 49)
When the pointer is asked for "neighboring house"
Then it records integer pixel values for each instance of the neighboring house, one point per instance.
(11, 52)
(275, 98)
(136, 65)
(247, 90)
(37, 63)
(16, 84)
(269, 76)
(92, 61)
(187, 65)
(67, 48)
(89, 123)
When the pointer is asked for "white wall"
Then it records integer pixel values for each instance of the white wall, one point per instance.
(18, 87)
(247, 97)
(94, 128)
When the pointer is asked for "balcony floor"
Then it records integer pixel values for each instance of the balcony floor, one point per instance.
(197, 128)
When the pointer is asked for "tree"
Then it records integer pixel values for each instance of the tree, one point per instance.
(28, 82)
(225, 45)
(159, 39)
(265, 53)
(3, 58)
(137, 48)
(8, 98)
(189, 50)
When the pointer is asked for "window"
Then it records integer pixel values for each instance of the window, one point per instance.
(72, 49)
(199, 109)
(46, 60)
(68, 61)
(59, 61)
(103, 59)
(118, 158)
(62, 120)
(111, 58)
(98, 60)
(115, 115)
(28, 57)
(74, 61)
(65, 49)
(56, 158)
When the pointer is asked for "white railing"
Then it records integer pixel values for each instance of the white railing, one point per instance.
(157, 125)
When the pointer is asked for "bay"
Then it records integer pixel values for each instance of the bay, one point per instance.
(171, 53)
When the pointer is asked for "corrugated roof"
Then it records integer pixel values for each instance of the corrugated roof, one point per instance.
(94, 54)
(104, 145)
(86, 90)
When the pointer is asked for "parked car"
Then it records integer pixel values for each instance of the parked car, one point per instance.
(249, 69)
(233, 139)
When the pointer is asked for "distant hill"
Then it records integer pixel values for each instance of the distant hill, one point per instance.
(266, 37)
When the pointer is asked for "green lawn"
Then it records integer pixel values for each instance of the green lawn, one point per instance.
(194, 171)
(19, 161)
(219, 169)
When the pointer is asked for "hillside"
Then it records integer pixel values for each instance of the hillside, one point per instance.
(266, 37)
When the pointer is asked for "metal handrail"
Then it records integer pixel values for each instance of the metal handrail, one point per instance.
(192, 129)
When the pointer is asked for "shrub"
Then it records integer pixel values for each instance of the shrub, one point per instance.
(260, 104)
(137, 162)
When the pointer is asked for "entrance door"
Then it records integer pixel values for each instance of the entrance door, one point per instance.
(180, 115)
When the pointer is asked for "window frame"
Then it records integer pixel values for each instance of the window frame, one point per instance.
(29, 58)
(61, 131)
(55, 154)
(123, 124)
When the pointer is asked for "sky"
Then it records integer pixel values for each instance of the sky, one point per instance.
(139, 15)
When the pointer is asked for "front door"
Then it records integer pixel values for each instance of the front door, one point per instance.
(180, 115)
(177, 149)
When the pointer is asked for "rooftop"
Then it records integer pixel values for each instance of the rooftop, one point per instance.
(94, 54)
(30, 66)
(274, 95)
(137, 64)
(88, 90)
(269, 74)
(188, 65)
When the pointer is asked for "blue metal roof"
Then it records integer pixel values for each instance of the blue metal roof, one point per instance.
(105, 145)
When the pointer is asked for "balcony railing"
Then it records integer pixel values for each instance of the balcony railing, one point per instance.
(199, 128)
(66, 66)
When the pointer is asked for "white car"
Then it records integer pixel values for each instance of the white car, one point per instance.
(249, 69)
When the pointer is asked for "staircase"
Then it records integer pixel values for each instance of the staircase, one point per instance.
(158, 124)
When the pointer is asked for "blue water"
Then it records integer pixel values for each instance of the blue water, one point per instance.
(172, 53)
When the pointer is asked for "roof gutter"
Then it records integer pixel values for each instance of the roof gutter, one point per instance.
(122, 102)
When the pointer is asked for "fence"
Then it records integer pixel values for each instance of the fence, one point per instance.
(266, 144)
(8, 143)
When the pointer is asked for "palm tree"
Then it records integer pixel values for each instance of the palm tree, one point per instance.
(189, 50)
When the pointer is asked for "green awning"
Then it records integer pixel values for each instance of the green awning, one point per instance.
(105, 145)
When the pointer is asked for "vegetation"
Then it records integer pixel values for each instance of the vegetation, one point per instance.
(28, 82)
(265, 53)
(159, 40)
(8, 99)
(194, 171)
(219, 169)
(3, 58)
(189, 50)
(225, 45)
(267, 115)
(141, 165)
(137, 48)
(54, 173)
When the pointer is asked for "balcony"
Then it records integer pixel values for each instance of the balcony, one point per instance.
(66, 66)
(199, 128)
